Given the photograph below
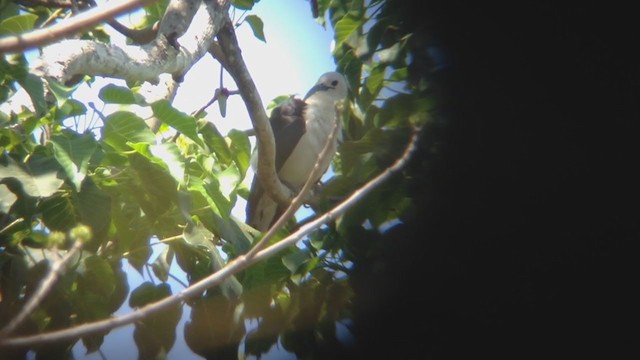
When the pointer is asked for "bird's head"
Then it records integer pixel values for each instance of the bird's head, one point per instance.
(332, 85)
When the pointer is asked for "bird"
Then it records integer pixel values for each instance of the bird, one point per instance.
(301, 128)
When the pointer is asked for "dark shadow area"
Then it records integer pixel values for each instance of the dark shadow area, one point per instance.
(519, 247)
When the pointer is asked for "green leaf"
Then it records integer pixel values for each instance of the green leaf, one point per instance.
(344, 28)
(18, 24)
(277, 101)
(69, 108)
(257, 26)
(399, 74)
(156, 334)
(117, 95)
(390, 54)
(243, 4)
(241, 150)
(374, 80)
(61, 92)
(35, 88)
(295, 259)
(162, 265)
(199, 236)
(38, 177)
(222, 102)
(97, 276)
(58, 213)
(122, 127)
(148, 293)
(215, 141)
(73, 152)
(171, 158)
(178, 120)
(94, 208)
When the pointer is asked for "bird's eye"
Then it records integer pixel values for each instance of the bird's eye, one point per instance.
(334, 83)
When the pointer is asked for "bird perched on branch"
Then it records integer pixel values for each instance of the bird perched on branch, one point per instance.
(301, 128)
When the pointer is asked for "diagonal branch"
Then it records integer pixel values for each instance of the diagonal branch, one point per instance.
(228, 52)
(232, 267)
(69, 26)
(45, 286)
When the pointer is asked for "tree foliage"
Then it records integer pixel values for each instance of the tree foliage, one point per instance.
(121, 188)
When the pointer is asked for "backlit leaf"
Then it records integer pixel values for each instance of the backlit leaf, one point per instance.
(122, 127)
(17, 24)
(176, 119)
(73, 152)
(257, 26)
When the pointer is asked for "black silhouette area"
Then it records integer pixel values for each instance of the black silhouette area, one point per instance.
(519, 247)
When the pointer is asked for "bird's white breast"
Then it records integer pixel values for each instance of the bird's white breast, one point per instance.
(319, 123)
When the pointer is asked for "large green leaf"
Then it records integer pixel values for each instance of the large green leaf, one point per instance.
(94, 209)
(171, 158)
(73, 151)
(39, 176)
(18, 24)
(96, 275)
(35, 88)
(156, 334)
(58, 212)
(122, 127)
(115, 94)
(215, 141)
(61, 92)
(345, 28)
(176, 119)
(241, 150)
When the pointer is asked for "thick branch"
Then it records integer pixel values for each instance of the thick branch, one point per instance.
(230, 56)
(69, 26)
(71, 57)
(233, 267)
(178, 16)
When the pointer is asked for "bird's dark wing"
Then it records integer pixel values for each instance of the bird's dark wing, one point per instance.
(287, 123)
(288, 126)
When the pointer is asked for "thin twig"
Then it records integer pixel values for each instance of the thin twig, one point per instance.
(231, 268)
(69, 26)
(45, 286)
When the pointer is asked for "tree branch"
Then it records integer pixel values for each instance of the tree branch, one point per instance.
(232, 267)
(45, 286)
(144, 63)
(230, 56)
(69, 26)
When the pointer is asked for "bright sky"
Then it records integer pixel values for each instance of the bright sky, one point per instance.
(297, 52)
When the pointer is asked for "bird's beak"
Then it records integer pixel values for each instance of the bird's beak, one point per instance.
(316, 88)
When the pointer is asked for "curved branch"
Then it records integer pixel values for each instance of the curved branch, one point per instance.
(230, 56)
(233, 267)
(69, 26)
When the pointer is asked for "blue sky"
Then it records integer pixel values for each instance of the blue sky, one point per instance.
(297, 52)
